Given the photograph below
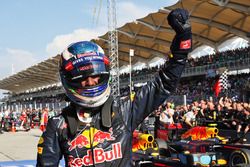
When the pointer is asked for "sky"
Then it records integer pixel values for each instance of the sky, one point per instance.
(32, 31)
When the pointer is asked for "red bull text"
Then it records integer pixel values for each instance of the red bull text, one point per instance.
(100, 156)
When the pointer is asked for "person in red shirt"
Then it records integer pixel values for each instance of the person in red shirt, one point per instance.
(44, 119)
(23, 119)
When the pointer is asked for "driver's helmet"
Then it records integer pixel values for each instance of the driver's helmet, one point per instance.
(79, 61)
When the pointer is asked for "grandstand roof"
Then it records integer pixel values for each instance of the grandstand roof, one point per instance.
(41, 74)
(151, 36)
(211, 25)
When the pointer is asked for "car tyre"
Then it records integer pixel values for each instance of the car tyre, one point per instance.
(239, 158)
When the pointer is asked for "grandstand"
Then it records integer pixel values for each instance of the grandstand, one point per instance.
(150, 37)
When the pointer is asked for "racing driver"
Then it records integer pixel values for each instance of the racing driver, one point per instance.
(96, 130)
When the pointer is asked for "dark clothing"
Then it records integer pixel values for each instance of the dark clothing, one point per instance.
(1, 124)
(211, 115)
(239, 117)
(97, 146)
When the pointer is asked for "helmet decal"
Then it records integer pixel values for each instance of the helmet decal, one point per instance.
(69, 66)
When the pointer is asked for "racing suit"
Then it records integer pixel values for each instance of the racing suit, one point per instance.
(95, 145)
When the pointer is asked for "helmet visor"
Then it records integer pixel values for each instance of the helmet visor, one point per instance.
(78, 82)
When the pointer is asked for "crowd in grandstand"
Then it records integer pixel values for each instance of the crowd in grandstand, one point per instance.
(229, 55)
(198, 88)
(226, 56)
(199, 92)
(193, 88)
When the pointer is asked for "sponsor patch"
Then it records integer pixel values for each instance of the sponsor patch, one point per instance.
(84, 140)
(39, 150)
(41, 140)
(185, 44)
(99, 156)
(87, 59)
(69, 66)
(86, 54)
(88, 67)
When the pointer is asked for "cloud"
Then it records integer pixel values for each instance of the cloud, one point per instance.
(60, 42)
(19, 58)
(128, 12)
(15, 60)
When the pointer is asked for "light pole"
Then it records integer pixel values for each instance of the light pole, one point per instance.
(131, 53)
(113, 48)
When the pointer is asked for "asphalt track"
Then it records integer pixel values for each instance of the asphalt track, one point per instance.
(18, 149)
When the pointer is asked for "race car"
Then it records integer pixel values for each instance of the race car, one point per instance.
(207, 148)
(148, 151)
(199, 146)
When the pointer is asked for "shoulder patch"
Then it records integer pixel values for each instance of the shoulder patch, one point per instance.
(39, 150)
(185, 44)
(41, 140)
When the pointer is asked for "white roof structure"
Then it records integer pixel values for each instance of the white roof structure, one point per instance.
(151, 37)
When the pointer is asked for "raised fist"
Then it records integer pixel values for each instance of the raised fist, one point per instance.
(178, 19)
(181, 45)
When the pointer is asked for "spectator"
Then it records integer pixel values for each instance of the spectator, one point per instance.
(44, 119)
(1, 121)
(190, 117)
(166, 116)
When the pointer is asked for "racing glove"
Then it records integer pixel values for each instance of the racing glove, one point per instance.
(181, 45)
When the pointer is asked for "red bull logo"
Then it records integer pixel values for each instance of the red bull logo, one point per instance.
(101, 136)
(100, 156)
(79, 142)
(200, 133)
(90, 137)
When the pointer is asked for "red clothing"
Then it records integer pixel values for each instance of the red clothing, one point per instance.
(23, 117)
(44, 121)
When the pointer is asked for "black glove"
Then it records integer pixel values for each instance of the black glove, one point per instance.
(178, 19)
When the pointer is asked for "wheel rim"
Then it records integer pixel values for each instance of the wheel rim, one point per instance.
(238, 159)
